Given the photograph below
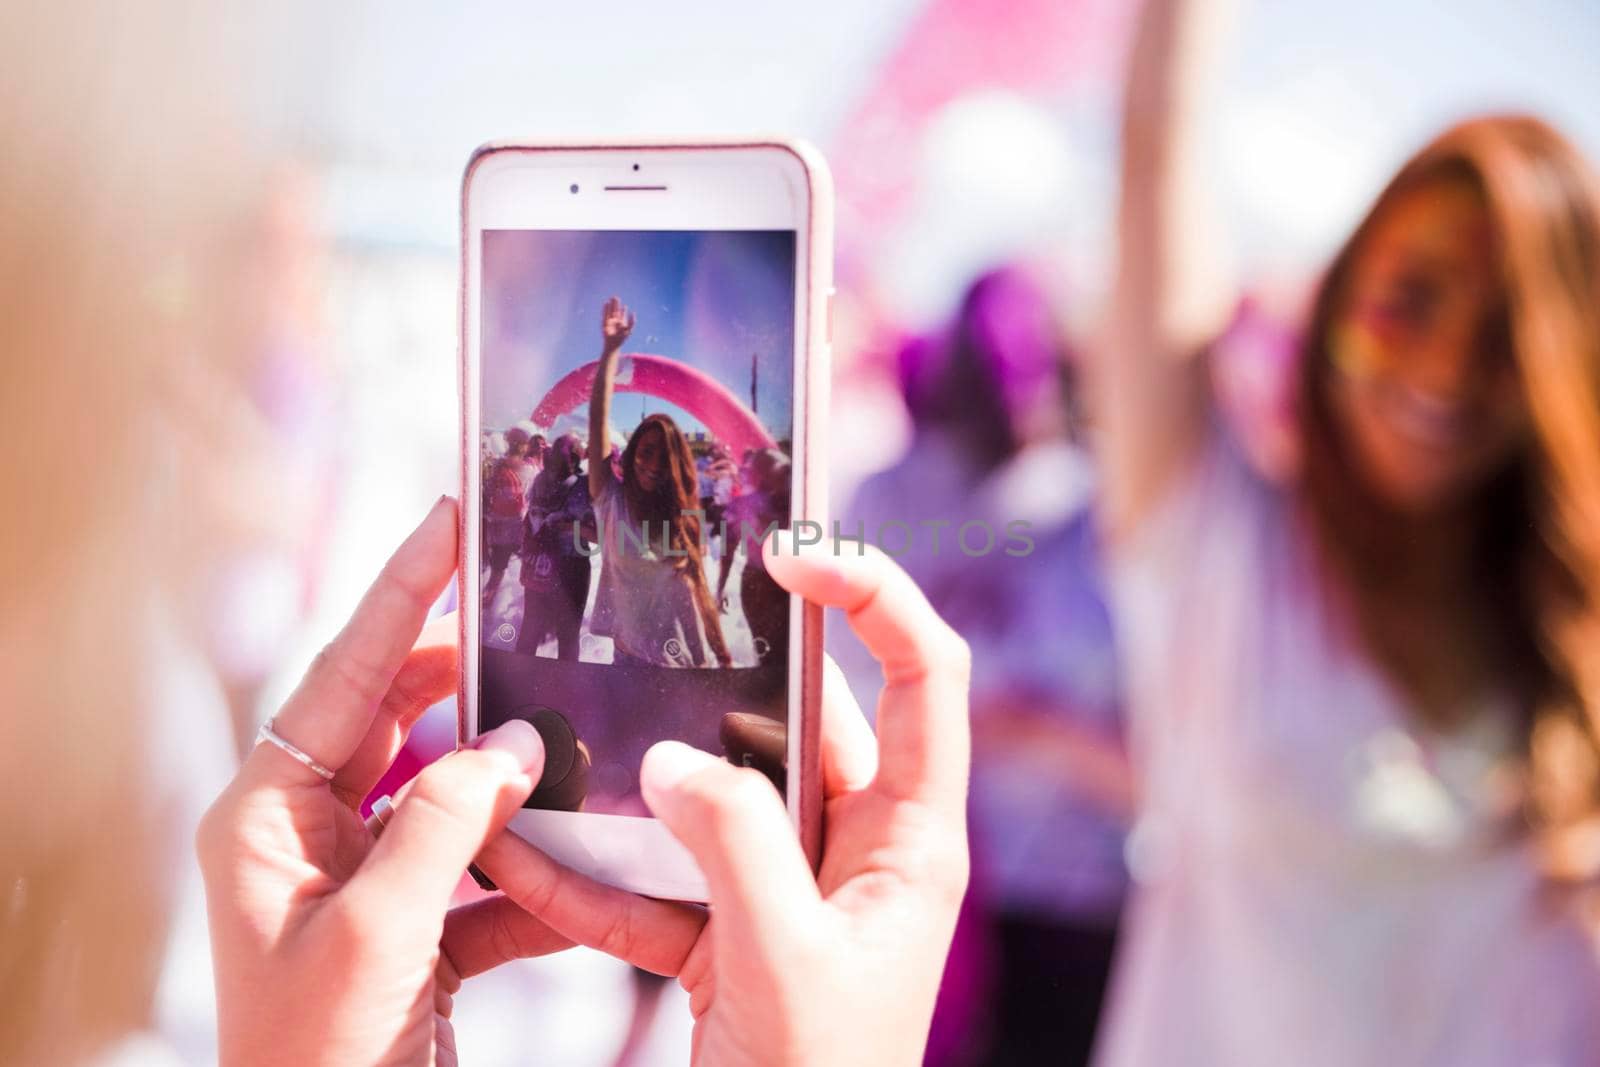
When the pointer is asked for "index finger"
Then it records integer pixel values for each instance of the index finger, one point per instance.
(655, 935)
(428, 675)
(331, 711)
(923, 731)
(481, 936)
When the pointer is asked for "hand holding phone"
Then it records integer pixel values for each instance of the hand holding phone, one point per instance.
(841, 969)
(326, 941)
(614, 587)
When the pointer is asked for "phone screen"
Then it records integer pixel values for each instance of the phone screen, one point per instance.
(629, 607)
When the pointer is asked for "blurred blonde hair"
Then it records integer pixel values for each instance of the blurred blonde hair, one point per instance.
(126, 206)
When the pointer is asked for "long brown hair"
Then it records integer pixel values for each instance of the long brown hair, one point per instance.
(673, 504)
(1537, 563)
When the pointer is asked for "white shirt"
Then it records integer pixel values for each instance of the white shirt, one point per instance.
(1321, 880)
(652, 611)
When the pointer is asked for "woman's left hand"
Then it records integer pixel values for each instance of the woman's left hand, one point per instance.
(331, 945)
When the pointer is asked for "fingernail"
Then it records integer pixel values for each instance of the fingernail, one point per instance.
(517, 739)
(485, 883)
(437, 504)
(666, 765)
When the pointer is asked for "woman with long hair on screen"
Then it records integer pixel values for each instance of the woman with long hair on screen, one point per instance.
(1363, 703)
(652, 570)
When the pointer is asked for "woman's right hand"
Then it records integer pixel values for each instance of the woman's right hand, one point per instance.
(838, 969)
(616, 323)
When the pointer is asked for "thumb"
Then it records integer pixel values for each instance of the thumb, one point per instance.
(453, 807)
(733, 822)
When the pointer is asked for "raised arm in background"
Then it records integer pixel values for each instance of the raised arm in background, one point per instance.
(1171, 294)
(616, 323)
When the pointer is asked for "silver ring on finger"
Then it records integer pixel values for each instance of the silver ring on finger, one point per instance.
(294, 751)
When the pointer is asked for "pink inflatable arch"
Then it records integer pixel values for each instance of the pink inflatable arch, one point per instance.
(730, 422)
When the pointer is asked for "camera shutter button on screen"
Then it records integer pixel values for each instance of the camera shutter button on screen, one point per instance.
(565, 781)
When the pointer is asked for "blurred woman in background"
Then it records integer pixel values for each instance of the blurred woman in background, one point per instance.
(1361, 705)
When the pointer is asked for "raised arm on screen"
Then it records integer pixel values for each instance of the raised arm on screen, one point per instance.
(616, 323)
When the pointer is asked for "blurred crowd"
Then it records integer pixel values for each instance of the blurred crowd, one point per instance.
(221, 409)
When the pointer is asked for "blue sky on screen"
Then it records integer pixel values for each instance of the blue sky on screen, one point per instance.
(714, 299)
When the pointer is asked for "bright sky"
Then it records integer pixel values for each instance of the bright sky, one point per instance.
(1322, 101)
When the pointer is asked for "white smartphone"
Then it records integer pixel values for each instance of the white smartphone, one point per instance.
(644, 369)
